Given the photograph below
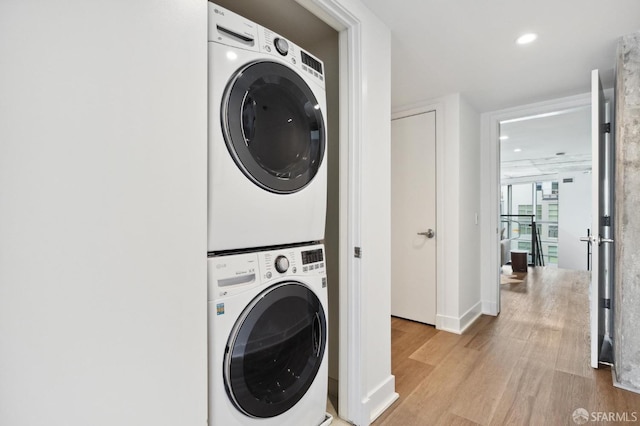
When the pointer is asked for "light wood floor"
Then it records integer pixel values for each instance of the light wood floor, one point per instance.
(528, 366)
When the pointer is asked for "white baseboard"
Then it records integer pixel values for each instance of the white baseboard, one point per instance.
(459, 325)
(470, 316)
(446, 323)
(380, 398)
(489, 308)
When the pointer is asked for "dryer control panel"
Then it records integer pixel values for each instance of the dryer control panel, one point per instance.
(231, 29)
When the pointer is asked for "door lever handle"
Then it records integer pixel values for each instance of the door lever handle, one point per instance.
(429, 233)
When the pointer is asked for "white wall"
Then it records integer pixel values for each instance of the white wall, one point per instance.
(458, 234)
(103, 215)
(469, 237)
(574, 217)
(448, 232)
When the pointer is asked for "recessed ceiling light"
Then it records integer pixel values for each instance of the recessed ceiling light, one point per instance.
(526, 38)
(560, 153)
(517, 150)
(503, 138)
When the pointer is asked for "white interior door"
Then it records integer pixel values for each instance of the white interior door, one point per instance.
(601, 226)
(413, 217)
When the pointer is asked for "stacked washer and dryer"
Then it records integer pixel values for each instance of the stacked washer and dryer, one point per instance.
(267, 294)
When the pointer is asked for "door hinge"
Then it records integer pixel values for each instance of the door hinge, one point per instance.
(357, 252)
(605, 303)
(606, 220)
(606, 127)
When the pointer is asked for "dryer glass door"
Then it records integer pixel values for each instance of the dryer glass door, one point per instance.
(273, 126)
(275, 350)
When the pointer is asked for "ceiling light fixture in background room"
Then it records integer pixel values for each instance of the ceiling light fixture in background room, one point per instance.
(527, 38)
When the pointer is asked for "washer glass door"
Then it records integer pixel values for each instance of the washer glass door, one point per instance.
(275, 350)
(273, 126)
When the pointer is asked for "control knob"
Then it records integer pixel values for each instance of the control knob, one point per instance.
(282, 264)
(281, 46)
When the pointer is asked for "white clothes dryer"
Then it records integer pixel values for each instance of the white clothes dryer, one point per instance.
(267, 137)
(268, 338)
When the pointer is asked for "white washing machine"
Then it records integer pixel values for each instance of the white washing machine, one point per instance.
(267, 137)
(268, 338)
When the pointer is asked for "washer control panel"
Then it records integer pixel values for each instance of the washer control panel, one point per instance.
(273, 43)
(230, 274)
(307, 260)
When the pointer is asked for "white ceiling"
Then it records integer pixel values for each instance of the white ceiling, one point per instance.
(541, 138)
(468, 46)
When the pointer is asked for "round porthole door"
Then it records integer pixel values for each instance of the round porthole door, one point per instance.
(273, 126)
(275, 350)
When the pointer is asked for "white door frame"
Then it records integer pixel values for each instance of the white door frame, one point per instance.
(441, 231)
(350, 380)
(490, 189)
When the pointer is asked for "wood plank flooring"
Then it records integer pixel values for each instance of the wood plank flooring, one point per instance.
(528, 366)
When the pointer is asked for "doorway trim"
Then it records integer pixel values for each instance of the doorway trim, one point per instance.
(351, 405)
(490, 189)
(439, 108)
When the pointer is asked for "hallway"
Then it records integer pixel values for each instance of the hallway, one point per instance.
(529, 365)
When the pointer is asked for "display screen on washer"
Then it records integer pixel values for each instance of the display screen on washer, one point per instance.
(273, 126)
(311, 62)
(312, 256)
(275, 350)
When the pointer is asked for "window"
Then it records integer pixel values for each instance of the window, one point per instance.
(525, 209)
(553, 212)
(553, 231)
(539, 212)
(524, 225)
(524, 245)
(553, 254)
